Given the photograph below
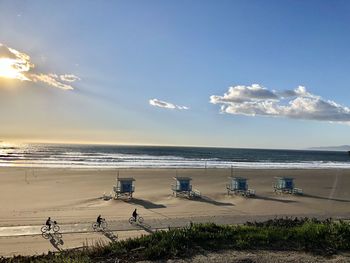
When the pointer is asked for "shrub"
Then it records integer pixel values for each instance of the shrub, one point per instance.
(277, 234)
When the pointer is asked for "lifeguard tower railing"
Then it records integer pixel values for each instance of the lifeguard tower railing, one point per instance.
(285, 185)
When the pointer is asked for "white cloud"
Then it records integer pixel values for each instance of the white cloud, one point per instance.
(298, 92)
(17, 65)
(239, 94)
(166, 105)
(52, 80)
(297, 104)
(69, 78)
(182, 107)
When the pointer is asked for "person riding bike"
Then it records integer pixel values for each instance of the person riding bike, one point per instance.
(49, 223)
(99, 220)
(134, 215)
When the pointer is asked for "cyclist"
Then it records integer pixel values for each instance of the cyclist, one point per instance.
(99, 220)
(49, 223)
(134, 214)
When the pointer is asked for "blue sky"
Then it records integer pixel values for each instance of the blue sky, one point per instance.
(125, 53)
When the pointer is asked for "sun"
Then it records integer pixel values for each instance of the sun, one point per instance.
(12, 69)
(7, 69)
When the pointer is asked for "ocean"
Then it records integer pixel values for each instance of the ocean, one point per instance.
(101, 156)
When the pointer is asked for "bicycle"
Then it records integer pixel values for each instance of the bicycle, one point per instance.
(47, 229)
(139, 219)
(102, 226)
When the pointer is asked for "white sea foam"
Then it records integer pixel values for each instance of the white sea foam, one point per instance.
(167, 162)
(109, 157)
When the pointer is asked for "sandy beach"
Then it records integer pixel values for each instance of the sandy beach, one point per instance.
(72, 196)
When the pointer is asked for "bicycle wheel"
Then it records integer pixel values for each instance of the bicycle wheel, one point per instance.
(56, 228)
(45, 235)
(131, 220)
(140, 219)
(94, 226)
(44, 229)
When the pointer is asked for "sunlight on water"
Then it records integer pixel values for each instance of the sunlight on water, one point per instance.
(88, 156)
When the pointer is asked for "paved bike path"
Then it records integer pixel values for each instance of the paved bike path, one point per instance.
(149, 225)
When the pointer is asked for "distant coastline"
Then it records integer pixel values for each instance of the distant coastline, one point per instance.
(340, 148)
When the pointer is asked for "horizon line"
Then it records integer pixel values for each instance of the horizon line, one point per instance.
(158, 145)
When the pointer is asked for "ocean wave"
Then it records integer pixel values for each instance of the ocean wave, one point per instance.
(53, 156)
(172, 164)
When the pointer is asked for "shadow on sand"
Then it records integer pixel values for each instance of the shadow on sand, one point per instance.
(110, 235)
(326, 198)
(146, 227)
(274, 199)
(55, 240)
(145, 203)
(208, 200)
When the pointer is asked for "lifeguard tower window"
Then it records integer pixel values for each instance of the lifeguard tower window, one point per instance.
(126, 186)
(184, 185)
(242, 185)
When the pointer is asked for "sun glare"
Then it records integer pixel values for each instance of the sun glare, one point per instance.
(6, 68)
(9, 69)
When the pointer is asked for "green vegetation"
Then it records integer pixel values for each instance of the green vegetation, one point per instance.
(323, 237)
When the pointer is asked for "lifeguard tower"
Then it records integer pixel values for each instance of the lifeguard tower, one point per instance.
(124, 188)
(183, 187)
(239, 186)
(285, 185)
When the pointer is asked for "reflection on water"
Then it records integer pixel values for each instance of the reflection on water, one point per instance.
(98, 156)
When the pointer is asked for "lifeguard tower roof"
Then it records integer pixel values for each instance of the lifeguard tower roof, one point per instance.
(284, 178)
(125, 179)
(181, 178)
(237, 178)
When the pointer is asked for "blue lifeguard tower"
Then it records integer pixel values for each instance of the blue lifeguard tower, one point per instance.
(285, 185)
(239, 185)
(124, 188)
(183, 187)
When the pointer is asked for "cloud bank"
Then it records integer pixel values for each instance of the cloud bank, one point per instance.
(17, 65)
(166, 105)
(256, 100)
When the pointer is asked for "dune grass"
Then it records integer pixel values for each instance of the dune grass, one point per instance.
(322, 237)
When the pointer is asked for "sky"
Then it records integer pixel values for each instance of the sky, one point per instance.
(256, 74)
